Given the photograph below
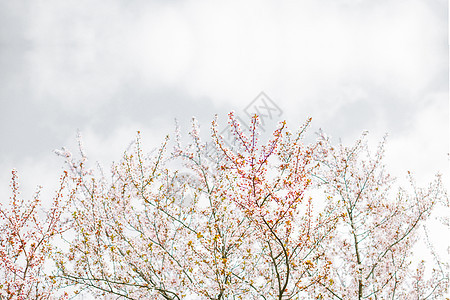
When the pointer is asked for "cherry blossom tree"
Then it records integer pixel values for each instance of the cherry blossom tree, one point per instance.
(275, 220)
(268, 186)
(26, 236)
(243, 234)
(371, 252)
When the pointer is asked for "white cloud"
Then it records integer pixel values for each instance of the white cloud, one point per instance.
(424, 150)
(231, 50)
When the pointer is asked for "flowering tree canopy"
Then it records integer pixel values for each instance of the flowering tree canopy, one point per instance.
(253, 220)
(26, 236)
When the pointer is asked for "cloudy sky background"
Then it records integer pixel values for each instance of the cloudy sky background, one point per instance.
(110, 68)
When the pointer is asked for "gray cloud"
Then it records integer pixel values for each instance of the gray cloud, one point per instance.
(101, 66)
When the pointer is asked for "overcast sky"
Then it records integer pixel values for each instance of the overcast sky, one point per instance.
(110, 68)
